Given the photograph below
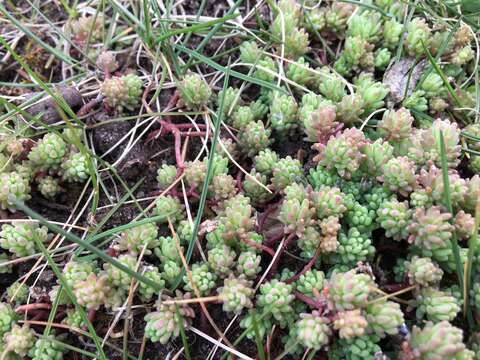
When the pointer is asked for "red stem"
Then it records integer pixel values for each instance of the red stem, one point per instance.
(286, 243)
(28, 307)
(239, 181)
(91, 315)
(306, 268)
(262, 247)
(309, 301)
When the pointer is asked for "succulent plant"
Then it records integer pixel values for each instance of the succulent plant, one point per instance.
(343, 153)
(464, 225)
(320, 176)
(309, 241)
(17, 292)
(136, 239)
(77, 271)
(366, 25)
(396, 126)
(248, 264)
(242, 117)
(251, 187)
(7, 318)
(349, 290)
(330, 85)
(357, 54)
(283, 113)
(377, 154)
(47, 348)
(277, 297)
(169, 207)
(117, 277)
(311, 330)
(420, 198)
(394, 217)
(357, 348)
(372, 94)
(374, 198)
(392, 30)
(384, 318)
(19, 340)
(399, 175)
(418, 35)
(265, 161)
(426, 144)
(312, 280)
(237, 219)
(249, 52)
(49, 187)
(350, 109)
(222, 187)
(73, 319)
(86, 27)
(202, 277)
(5, 268)
(166, 175)
(59, 294)
(328, 201)
(13, 187)
(285, 172)
(361, 217)
(263, 326)
(320, 124)
(194, 92)
(436, 305)
(473, 193)
(167, 321)
(382, 58)
(296, 215)
(266, 69)
(432, 182)
(423, 271)
(236, 294)
(432, 85)
(430, 228)
(221, 260)
(416, 101)
(354, 247)
(106, 62)
(437, 341)
(330, 227)
(75, 167)
(254, 138)
(122, 93)
(337, 16)
(145, 291)
(19, 238)
(299, 72)
(91, 292)
(350, 324)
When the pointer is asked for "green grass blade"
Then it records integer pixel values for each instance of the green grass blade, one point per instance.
(233, 73)
(448, 204)
(183, 335)
(258, 338)
(208, 178)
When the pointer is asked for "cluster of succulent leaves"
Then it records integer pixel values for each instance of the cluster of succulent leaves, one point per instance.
(384, 173)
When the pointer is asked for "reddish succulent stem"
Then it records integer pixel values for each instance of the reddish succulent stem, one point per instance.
(306, 268)
(286, 243)
(268, 211)
(91, 315)
(274, 239)
(309, 301)
(395, 287)
(85, 109)
(262, 247)
(239, 181)
(29, 307)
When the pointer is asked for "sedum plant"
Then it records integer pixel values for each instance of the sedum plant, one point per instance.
(19, 238)
(122, 93)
